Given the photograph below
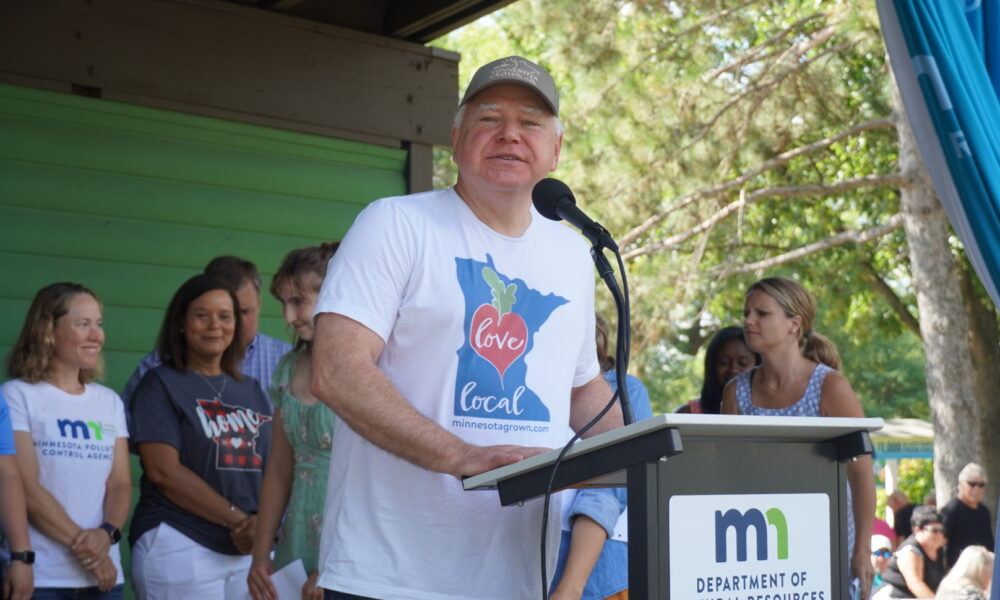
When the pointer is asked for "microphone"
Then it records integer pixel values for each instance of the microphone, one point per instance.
(554, 200)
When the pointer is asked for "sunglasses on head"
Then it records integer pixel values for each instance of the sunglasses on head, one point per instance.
(883, 553)
(981, 484)
(934, 528)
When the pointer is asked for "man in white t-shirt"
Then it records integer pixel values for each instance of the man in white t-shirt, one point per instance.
(454, 335)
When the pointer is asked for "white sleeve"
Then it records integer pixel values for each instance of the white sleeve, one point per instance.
(368, 276)
(587, 366)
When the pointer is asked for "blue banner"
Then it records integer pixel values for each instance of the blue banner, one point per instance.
(942, 53)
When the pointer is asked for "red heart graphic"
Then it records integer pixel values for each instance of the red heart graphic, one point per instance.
(500, 340)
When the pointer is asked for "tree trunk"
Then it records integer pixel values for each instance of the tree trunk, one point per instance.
(944, 326)
(985, 345)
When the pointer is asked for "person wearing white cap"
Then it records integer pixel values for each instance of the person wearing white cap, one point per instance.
(454, 336)
(881, 553)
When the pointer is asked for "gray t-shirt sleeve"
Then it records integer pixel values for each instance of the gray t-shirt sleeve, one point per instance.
(154, 416)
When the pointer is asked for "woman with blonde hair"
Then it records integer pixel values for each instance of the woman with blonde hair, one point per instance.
(969, 578)
(302, 436)
(798, 377)
(71, 447)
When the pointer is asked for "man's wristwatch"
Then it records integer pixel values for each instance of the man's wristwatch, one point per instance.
(25, 556)
(113, 532)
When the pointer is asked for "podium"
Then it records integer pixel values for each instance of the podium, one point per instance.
(721, 507)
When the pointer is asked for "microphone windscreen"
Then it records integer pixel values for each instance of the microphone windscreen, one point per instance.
(546, 196)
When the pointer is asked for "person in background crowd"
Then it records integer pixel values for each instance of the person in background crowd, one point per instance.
(78, 497)
(202, 432)
(880, 527)
(726, 357)
(798, 377)
(902, 510)
(454, 335)
(918, 566)
(593, 552)
(259, 353)
(881, 553)
(966, 517)
(302, 435)
(970, 576)
(930, 499)
(18, 579)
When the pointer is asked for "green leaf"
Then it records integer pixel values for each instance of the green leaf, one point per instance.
(503, 297)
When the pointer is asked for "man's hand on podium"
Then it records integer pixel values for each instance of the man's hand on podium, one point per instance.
(479, 459)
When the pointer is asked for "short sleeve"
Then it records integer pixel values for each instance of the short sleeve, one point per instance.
(281, 379)
(6, 431)
(587, 366)
(604, 506)
(120, 417)
(368, 276)
(154, 418)
(148, 362)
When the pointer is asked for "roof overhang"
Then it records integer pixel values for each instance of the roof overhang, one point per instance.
(418, 21)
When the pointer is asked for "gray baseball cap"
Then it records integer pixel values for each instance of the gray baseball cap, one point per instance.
(517, 70)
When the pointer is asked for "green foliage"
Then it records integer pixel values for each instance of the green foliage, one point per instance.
(880, 502)
(916, 478)
(664, 103)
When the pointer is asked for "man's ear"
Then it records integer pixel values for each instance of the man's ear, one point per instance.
(555, 157)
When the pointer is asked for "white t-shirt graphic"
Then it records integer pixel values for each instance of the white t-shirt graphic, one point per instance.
(74, 437)
(486, 335)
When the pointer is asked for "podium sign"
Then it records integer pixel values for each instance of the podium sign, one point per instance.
(748, 545)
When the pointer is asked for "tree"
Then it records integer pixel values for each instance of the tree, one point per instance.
(724, 141)
(943, 322)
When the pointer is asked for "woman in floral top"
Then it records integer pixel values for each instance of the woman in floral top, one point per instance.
(296, 473)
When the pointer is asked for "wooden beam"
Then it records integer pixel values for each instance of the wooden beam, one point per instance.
(217, 58)
(420, 168)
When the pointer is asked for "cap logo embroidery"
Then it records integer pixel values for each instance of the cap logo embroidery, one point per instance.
(515, 68)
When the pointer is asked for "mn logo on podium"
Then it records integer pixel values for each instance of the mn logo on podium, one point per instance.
(741, 522)
(749, 546)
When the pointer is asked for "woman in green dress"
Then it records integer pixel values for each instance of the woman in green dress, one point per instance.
(296, 472)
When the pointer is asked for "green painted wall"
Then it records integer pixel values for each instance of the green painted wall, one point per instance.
(131, 201)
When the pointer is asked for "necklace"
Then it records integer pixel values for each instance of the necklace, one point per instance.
(218, 392)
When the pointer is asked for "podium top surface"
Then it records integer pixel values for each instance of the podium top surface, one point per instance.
(692, 428)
